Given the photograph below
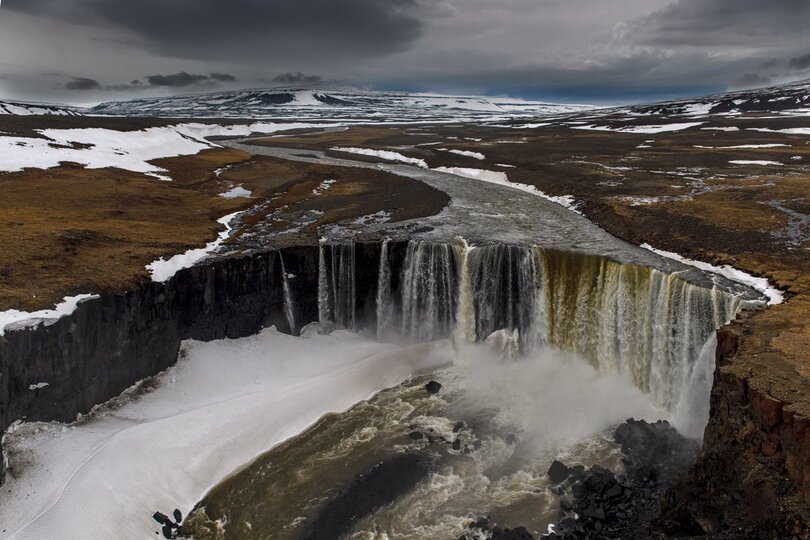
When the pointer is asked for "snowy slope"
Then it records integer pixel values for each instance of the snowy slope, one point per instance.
(27, 109)
(341, 104)
(786, 98)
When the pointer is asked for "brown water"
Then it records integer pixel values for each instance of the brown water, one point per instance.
(497, 467)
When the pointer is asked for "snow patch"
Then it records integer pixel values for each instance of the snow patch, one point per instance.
(465, 153)
(742, 146)
(162, 270)
(325, 185)
(236, 193)
(384, 154)
(643, 129)
(98, 148)
(13, 319)
(754, 162)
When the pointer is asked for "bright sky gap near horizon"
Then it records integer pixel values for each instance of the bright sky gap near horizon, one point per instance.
(597, 51)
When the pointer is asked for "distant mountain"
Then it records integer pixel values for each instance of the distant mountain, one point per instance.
(783, 98)
(26, 109)
(344, 103)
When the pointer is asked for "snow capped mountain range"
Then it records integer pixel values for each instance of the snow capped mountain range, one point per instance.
(311, 103)
(390, 106)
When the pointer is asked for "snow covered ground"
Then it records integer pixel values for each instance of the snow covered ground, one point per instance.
(162, 270)
(15, 319)
(221, 406)
(652, 129)
(97, 148)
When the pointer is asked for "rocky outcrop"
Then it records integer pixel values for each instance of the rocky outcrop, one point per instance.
(752, 477)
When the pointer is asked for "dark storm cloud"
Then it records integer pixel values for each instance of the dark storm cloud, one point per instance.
(724, 22)
(82, 83)
(800, 62)
(297, 78)
(250, 29)
(176, 80)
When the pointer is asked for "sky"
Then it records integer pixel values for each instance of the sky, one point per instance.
(589, 51)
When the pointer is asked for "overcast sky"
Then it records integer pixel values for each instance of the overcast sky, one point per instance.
(84, 51)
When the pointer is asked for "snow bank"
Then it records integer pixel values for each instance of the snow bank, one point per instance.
(732, 128)
(754, 162)
(742, 146)
(236, 193)
(15, 319)
(665, 128)
(500, 178)
(162, 270)
(465, 153)
(760, 284)
(215, 411)
(788, 131)
(97, 148)
(384, 154)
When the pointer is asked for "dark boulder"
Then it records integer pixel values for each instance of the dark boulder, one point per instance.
(433, 387)
(558, 472)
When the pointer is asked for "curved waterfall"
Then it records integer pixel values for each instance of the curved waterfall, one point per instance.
(623, 318)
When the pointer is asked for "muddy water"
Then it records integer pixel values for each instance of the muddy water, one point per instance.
(483, 445)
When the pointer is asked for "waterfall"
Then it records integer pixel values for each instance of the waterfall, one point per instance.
(429, 290)
(506, 285)
(289, 306)
(623, 318)
(631, 319)
(385, 298)
(336, 285)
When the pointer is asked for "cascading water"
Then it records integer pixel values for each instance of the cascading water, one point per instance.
(336, 285)
(289, 304)
(637, 321)
(599, 341)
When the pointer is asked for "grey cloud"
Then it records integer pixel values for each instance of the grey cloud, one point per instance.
(724, 23)
(252, 29)
(222, 77)
(176, 80)
(82, 83)
(750, 80)
(297, 78)
(800, 62)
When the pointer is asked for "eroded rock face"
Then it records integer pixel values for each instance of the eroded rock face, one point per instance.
(752, 478)
(110, 343)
